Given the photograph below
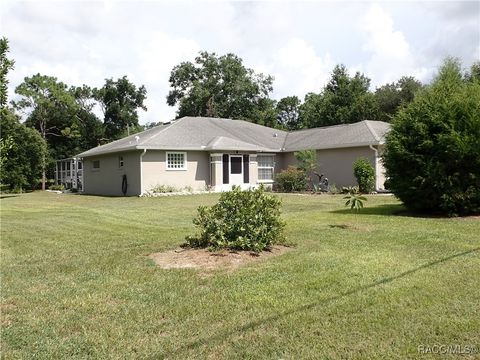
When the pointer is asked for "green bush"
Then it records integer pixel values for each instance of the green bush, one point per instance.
(56, 187)
(350, 190)
(291, 179)
(432, 153)
(365, 175)
(162, 189)
(242, 220)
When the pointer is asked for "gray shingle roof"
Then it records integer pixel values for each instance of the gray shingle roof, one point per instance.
(212, 134)
(362, 133)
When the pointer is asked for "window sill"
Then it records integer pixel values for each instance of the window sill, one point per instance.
(185, 169)
(265, 181)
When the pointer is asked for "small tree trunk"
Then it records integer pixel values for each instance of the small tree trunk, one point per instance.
(43, 179)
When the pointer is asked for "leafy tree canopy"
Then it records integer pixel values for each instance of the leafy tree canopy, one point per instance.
(288, 109)
(391, 96)
(49, 106)
(344, 100)
(221, 86)
(23, 166)
(5, 66)
(120, 101)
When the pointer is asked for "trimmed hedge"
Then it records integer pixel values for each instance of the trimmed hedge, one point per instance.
(290, 180)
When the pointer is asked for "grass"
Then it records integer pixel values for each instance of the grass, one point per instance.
(77, 283)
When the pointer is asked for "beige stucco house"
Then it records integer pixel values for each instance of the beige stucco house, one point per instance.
(210, 153)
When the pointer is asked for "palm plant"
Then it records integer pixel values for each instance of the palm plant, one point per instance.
(355, 201)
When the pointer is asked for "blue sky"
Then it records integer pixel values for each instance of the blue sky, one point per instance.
(298, 42)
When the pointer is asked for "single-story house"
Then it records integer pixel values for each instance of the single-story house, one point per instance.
(211, 153)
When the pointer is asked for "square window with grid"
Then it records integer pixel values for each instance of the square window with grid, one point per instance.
(176, 161)
(266, 165)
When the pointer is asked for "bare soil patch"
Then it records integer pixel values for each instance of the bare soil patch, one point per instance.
(211, 260)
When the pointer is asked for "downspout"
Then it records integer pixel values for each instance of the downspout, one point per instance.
(141, 171)
(376, 166)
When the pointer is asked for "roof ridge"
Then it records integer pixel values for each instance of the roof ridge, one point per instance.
(322, 127)
(369, 127)
(162, 130)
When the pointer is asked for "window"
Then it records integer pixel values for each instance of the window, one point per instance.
(96, 164)
(120, 162)
(235, 164)
(265, 167)
(176, 161)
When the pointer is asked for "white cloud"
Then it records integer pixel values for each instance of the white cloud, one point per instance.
(156, 59)
(300, 69)
(297, 69)
(297, 42)
(390, 53)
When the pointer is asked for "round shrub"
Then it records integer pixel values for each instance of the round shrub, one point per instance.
(365, 175)
(291, 179)
(432, 154)
(241, 220)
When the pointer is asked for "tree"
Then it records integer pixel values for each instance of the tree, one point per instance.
(90, 126)
(288, 109)
(5, 66)
(307, 162)
(24, 164)
(391, 96)
(221, 86)
(344, 100)
(432, 154)
(474, 73)
(47, 103)
(120, 101)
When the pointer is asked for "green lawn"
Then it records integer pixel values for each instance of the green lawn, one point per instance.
(77, 282)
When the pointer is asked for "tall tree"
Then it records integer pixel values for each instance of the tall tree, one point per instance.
(90, 126)
(24, 164)
(221, 86)
(391, 96)
(288, 109)
(47, 103)
(120, 101)
(344, 100)
(5, 66)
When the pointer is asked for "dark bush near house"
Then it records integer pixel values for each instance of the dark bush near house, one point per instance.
(432, 155)
(241, 220)
(291, 179)
(365, 175)
(56, 187)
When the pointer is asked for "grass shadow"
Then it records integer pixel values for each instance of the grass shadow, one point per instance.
(386, 210)
(256, 323)
(7, 196)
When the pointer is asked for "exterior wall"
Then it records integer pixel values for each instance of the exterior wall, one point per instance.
(337, 164)
(107, 180)
(380, 170)
(154, 171)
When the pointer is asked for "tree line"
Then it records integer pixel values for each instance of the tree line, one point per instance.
(61, 120)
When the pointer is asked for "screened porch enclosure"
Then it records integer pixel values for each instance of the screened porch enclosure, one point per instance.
(69, 173)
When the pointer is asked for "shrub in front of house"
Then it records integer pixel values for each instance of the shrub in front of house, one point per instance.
(432, 153)
(365, 175)
(241, 220)
(290, 180)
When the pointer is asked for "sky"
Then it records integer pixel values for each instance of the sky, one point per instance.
(297, 42)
